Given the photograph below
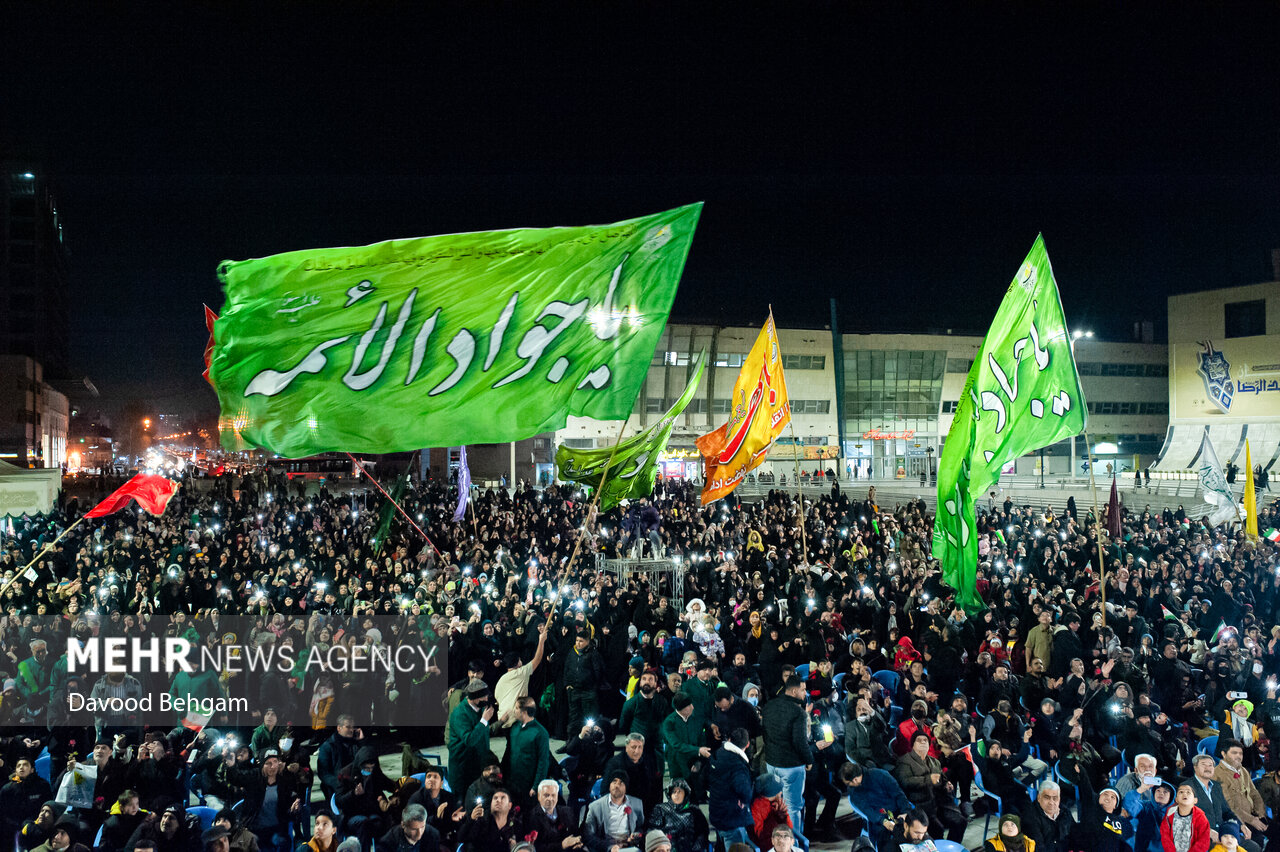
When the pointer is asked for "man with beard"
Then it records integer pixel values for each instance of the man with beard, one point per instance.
(645, 711)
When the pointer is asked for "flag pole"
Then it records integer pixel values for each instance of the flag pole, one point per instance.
(804, 544)
(44, 550)
(1097, 517)
(399, 508)
(595, 499)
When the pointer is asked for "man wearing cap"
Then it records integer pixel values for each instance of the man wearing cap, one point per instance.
(768, 809)
(701, 688)
(877, 795)
(685, 740)
(166, 832)
(469, 735)
(614, 820)
(457, 692)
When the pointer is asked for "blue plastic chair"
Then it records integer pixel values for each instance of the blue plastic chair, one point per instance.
(977, 783)
(43, 764)
(1208, 746)
(97, 840)
(866, 821)
(420, 777)
(195, 788)
(949, 846)
(889, 679)
(597, 789)
(838, 680)
(206, 815)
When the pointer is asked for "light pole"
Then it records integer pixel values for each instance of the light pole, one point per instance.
(1093, 487)
(1076, 335)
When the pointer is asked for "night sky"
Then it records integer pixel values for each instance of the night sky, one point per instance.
(899, 157)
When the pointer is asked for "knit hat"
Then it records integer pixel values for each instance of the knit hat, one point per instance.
(1009, 818)
(768, 786)
(620, 774)
(654, 839)
(1230, 828)
(747, 688)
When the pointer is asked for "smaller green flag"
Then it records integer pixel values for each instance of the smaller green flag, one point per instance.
(388, 511)
(634, 468)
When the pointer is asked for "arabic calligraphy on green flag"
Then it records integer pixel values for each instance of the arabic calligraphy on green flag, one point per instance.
(634, 467)
(1022, 393)
(459, 339)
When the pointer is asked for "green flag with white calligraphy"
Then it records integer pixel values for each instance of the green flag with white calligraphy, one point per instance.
(459, 339)
(1022, 393)
(633, 465)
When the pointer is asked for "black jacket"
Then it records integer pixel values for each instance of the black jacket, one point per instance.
(786, 735)
(1049, 835)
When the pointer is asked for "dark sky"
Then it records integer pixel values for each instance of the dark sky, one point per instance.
(900, 157)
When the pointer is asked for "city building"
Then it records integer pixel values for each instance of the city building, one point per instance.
(91, 446)
(899, 395)
(33, 270)
(34, 417)
(1224, 375)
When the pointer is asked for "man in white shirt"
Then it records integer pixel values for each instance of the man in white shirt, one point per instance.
(515, 683)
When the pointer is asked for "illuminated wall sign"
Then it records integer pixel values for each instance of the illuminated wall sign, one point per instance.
(877, 435)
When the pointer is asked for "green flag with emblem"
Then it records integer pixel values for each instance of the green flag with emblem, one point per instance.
(633, 465)
(1022, 393)
(459, 339)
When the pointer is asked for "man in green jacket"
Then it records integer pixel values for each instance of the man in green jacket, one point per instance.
(35, 676)
(469, 735)
(685, 737)
(644, 712)
(530, 752)
(702, 690)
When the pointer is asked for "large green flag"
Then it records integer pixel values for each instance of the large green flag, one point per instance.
(1022, 393)
(635, 462)
(458, 339)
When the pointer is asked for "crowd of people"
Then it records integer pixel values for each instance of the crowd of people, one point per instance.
(781, 684)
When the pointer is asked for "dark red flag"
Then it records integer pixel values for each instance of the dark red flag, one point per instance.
(1113, 513)
(152, 492)
(209, 319)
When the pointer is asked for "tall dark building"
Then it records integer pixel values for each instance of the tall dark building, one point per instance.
(33, 269)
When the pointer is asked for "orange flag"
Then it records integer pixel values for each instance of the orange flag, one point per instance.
(759, 409)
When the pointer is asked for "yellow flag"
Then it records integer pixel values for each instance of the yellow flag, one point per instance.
(758, 411)
(1250, 499)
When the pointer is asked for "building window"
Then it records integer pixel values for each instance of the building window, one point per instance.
(804, 362)
(949, 406)
(810, 406)
(580, 443)
(959, 365)
(719, 406)
(653, 405)
(1246, 319)
(725, 359)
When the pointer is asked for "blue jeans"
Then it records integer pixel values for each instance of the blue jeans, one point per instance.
(792, 778)
(731, 836)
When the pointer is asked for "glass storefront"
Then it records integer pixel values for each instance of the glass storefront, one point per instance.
(892, 400)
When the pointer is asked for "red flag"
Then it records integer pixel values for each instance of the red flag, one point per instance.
(152, 492)
(209, 319)
(1113, 513)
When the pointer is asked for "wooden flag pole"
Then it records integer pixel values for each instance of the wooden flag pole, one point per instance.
(1097, 527)
(804, 543)
(44, 550)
